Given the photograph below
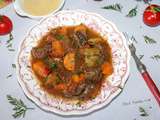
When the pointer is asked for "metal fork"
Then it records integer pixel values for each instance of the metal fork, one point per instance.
(142, 69)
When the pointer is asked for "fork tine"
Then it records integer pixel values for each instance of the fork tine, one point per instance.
(128, 38)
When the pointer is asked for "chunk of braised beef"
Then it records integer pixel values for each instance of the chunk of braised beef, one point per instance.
(79, 37)
(93, 75)
(48, 48)
(74, 41)
(82, 37)
(38, 53)
(41, 52)
(49, 38)
(75, 90)
(86, 91)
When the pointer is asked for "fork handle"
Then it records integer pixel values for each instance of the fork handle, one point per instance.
(151, 86)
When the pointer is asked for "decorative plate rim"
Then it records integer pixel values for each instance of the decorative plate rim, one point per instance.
(75, 112)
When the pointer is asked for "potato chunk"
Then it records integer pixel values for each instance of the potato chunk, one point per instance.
(92, 56)
(41, 69)
(57, 48)
(69, 61)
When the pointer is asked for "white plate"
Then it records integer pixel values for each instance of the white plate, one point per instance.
(110, 89)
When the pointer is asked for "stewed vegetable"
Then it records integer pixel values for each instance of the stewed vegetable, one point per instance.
(72, 62)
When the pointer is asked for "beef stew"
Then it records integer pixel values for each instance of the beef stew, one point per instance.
(72, 62)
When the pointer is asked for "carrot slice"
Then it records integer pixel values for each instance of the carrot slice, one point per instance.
(62, 30)
(107, 68)
(57, 48)
(78, 78)
(69, 61)
(61, 86)
(41, 69)
(81, 28)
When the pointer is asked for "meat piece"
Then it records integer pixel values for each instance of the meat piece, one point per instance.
(82, 38)
(93, 75)
(86, 91)
(68, 44)
(80, 89)
(79, 60)
(41, 52)
(74, 90)
(48, 48)
(75, 41)
(50, 38)
(64, 74)
(80, 35)
(80, 31)
(38, 53)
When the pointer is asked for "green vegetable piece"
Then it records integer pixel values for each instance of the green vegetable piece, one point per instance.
(53, 66)
(60, 37)
(92, 56)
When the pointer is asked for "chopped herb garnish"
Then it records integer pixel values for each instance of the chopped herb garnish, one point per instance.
(132, 12)
(10, 75)
(143, 112)
(149, 40)
(156, 57)
(117, 7)
(10, 38)
(19, 107)
(53, 66)
(9, 43)
(60, 37)
(13, 66)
